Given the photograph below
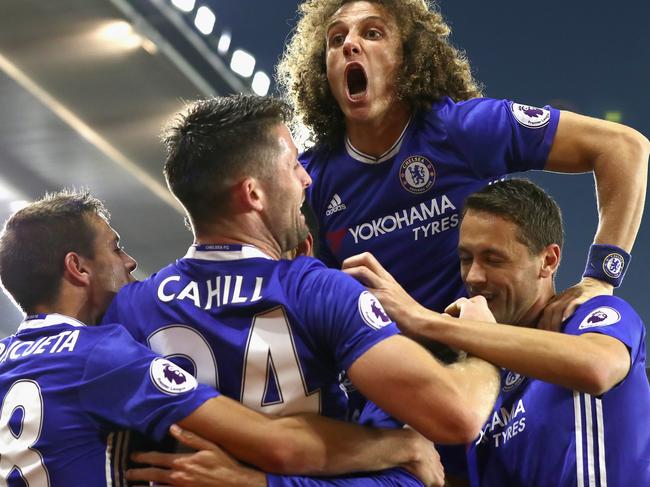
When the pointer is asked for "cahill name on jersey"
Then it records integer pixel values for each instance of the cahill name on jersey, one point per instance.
(405, 205)
(275, 335)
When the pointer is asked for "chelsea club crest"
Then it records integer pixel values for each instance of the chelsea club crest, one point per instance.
(417, 174)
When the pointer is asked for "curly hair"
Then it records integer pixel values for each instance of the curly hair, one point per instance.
(432, 67)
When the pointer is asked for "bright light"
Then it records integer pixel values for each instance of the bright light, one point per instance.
(242, 63)
(204, 20)
(261, 83)
(149, 46)
(184, 5)
(224, 43)
(16, 205)
(120, 33)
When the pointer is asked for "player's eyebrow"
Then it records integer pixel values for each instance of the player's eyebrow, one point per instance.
(337, 22)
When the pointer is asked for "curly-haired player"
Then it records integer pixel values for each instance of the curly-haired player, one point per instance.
(402, 136)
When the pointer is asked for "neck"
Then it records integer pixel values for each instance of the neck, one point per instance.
(70, 307)
(534, 313)
(235, 233)
(375, 136)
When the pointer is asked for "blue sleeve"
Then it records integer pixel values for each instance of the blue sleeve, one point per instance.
(127, 385)
(340, 312)
(373, 415)
(499, 136)
(609, 316)
(395, 477)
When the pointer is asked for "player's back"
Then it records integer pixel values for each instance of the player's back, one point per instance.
(67, 390)
(46, 436)
(273, 334)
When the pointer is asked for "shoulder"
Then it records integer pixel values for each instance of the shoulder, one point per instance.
(316, 273)
(604, 312)
(141, 289)
(318, 155)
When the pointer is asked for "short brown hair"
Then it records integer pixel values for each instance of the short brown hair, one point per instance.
(215, 140)
(35, 240)
(536, 214)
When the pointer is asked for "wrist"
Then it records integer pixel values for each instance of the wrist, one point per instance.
(607, 263)
(592, 281)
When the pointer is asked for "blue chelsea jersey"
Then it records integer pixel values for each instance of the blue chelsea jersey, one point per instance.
(67, 392)
(405, 206)
(540, 434)
(274, 335)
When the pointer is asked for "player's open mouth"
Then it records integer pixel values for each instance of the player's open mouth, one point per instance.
(356, 80)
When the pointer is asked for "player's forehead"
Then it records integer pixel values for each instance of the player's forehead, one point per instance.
(104, 232)
(356, 12)
(285, 139)
(484, 229)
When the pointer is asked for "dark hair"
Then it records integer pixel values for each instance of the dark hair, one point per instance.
(216, 141)
(536, 214)
(432, 67)
(36, 239)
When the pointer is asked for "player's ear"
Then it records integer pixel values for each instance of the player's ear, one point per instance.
(306, 247)
(550, 260)
(76, 269)
(250, 194)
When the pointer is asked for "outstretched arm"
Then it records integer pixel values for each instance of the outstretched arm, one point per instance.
(306, 444)
(211, 466)
(591, 362)
(618, 157)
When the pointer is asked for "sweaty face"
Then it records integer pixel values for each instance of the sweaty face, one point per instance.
(111, 266)
(494, 264)
(363, 56)
(286, 194)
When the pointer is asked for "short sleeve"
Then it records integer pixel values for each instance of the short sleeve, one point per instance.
(126, 384)
(611, 316)
(500, 136)
(340, 312)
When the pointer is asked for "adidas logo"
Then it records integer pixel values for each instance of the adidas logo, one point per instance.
(335, 205)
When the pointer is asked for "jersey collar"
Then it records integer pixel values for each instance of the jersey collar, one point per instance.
(222, 252)
(33, 322)
(357, 155)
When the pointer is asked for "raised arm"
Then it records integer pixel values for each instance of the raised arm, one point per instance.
(618, 157)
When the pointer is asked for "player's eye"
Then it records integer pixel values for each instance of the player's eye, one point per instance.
(373, 34)
(336, 40)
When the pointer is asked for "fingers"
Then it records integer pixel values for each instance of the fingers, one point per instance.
(455, 308)
(368, 260)
(149, 474)
(155, 458)
(551, 318)
(190, 439)
(365, 276)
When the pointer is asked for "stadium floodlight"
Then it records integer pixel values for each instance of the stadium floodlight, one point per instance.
(184, 5)
(204, 20)
(224, 42)
(261, 83)
(120, 33)
(242, 63)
